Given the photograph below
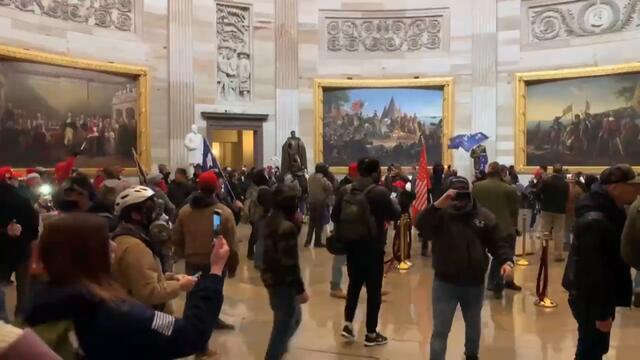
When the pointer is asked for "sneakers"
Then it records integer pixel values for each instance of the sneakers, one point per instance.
(347, 333)
(338, 294)
(375, 339)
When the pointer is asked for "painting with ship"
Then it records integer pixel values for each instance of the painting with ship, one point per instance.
(583, 122)
(390, 124)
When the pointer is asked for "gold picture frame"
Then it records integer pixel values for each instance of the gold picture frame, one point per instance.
(522, 80)
(445, 83)
(141, 75)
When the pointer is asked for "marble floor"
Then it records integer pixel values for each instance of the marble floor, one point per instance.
(512, 328)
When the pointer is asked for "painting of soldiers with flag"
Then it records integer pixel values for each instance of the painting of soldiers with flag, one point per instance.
(586, 119)
(386, 119)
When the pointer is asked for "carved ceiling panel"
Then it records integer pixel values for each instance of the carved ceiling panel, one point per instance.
(110, 14)
(552, 20)
(384, 32)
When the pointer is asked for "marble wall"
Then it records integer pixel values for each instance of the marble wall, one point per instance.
(145, 45)
(479, 43)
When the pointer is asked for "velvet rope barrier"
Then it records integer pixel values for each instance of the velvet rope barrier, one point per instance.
(542, 283)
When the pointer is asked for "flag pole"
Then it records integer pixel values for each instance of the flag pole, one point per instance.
(226, 182)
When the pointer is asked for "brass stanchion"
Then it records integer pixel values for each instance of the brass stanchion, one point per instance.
(521, 261)
(404, 227)
(542, 283)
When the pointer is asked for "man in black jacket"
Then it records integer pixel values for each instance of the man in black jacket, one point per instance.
(280, 272)
(596, 277)
(180, 188)
(462, 232)
(18, 228)
(365, 258)
(554, 195)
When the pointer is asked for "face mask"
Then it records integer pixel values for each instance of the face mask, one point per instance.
(67, 205)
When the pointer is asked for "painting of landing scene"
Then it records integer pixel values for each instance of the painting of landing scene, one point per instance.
(584, 122)
(390, 124)
(48, 112)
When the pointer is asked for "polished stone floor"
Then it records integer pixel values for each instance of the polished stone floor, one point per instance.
(513, 328)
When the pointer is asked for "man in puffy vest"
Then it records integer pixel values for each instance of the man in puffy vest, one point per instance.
(596, 276)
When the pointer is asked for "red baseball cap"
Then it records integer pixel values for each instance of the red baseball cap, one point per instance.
(353, 169)
(208, 180)
(6, 173)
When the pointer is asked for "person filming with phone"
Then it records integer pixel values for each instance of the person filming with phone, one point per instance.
(462, 232)
(201, 222)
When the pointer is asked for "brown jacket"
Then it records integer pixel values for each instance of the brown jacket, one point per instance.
(193, 231)
(575, 193)
(139, 272)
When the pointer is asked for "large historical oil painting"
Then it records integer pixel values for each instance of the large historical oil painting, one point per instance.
(390, 123)
(49, 111)
(583, 122)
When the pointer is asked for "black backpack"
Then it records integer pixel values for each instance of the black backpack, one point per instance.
(356, 222)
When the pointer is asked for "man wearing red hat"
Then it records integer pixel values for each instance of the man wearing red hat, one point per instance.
(194, 234)
(18, 228)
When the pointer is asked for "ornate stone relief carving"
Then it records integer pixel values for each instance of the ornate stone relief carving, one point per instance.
(110, 14)
(566, 19)
(385, 32)
(233, 25)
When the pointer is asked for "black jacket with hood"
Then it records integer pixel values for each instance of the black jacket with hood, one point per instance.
(461, 239)
(596, 275)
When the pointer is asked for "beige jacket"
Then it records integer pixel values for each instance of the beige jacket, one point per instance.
(139, 272)
(193, 232)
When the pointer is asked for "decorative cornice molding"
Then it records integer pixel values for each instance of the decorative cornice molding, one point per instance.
(227, 116)
(109, 14)
(553, 20)
(384, 32)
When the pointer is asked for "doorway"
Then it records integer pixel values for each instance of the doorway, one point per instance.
(236, 139)
(233, 148)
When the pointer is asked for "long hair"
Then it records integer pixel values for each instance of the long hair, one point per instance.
(74, 250)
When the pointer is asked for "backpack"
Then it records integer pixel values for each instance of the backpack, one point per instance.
(356, 222)
(630, 247)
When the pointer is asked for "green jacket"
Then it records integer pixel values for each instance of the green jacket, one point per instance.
(502, 200)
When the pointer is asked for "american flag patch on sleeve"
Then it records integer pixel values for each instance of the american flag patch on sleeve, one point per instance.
(163, 323)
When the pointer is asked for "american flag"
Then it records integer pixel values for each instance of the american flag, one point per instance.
(423, 183)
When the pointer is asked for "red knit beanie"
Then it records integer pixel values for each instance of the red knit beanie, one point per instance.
(208, 181)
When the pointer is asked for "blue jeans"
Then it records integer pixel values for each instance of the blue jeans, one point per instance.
(287, 316)
(339, 261)
(636, 283)
(3, 308)
(445, 299)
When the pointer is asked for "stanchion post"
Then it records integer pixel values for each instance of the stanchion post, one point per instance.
(521, 261)
(542, 284)
(403, 227)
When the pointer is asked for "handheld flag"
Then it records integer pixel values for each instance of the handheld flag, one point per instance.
(423, 183)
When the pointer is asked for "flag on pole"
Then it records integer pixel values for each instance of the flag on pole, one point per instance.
(587, 106)
(567, 110)
(423, 183)
(142, 176)
(209, 162)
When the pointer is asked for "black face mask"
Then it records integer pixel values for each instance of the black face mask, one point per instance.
(67, 205)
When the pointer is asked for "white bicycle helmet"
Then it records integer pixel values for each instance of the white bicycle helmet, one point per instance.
(132, 195)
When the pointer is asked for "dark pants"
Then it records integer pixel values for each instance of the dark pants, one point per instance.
(364, 268)
(445, 299)
(253, 239)
(287, 317)
(316, 223)
(3, 307)
(593, 344)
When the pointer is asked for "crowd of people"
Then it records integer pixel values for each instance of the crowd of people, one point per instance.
(95, 257)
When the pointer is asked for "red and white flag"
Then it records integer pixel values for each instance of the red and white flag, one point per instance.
(423, 183)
